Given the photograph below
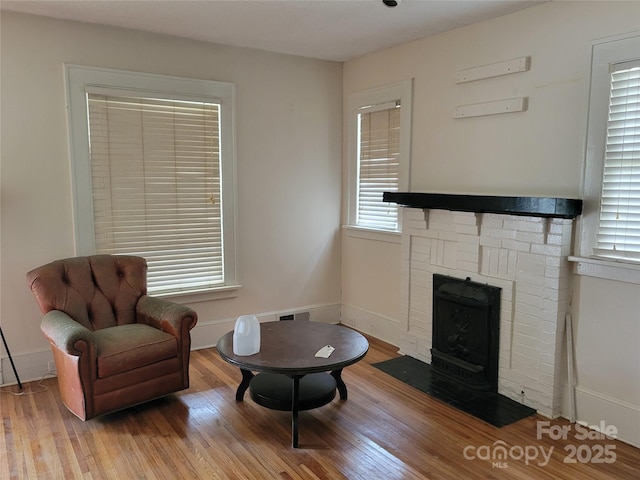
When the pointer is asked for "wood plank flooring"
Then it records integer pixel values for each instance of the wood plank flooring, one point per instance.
(385, 430)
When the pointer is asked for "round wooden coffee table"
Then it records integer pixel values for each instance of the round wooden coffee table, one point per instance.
(288, 349)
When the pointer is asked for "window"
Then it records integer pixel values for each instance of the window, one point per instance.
(378, 165)
(611, 218)
(619, 226)
(152, 163)
(379, 146)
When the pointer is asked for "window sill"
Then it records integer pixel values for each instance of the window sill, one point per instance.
(371, 234)
(607, 269)
(229, 291)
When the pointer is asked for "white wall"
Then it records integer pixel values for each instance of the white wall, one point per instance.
(372, 289)
(288, 136)
(539, 153)
(607, 354)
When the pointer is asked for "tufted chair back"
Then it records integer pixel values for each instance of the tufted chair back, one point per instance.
(98, 292)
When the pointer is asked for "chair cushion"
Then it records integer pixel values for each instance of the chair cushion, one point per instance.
(127, 347)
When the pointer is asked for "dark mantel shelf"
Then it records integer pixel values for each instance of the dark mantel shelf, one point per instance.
(526, 206)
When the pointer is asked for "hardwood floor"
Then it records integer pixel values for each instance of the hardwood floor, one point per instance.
(385, 430)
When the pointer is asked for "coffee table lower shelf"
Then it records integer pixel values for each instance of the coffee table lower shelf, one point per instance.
(275, 391)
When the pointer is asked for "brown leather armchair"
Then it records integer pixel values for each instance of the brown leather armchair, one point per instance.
(113, 345)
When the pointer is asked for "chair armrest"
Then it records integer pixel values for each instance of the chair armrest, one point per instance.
(164, 315)
(65, 333)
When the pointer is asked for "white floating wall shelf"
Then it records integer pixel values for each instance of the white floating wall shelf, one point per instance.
(521, 64)
(497, 107)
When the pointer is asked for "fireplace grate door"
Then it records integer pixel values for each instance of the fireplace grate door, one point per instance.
(466, 322)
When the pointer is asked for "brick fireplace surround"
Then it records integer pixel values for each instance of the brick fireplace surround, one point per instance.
(526, 256)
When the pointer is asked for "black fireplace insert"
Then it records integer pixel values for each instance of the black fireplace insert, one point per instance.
(466, 332)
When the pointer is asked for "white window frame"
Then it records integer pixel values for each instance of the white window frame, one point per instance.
(604, 54)
(80, 79)
(398, 92)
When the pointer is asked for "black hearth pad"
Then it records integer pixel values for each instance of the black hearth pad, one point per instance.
(492, 408)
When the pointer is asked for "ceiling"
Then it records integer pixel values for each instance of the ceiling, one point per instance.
(326, 29)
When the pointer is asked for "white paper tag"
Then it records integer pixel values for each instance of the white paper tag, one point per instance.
(325, 352)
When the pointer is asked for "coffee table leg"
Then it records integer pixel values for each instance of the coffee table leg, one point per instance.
(247, 375)
(295, 396)
(342, 388)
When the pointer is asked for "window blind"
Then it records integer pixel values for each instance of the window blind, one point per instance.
(619, 226)
(156, 183)
(378, 166)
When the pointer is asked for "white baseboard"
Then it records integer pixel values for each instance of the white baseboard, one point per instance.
(34, 365)
(378, 326)
(594, 407)
(30, 366)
